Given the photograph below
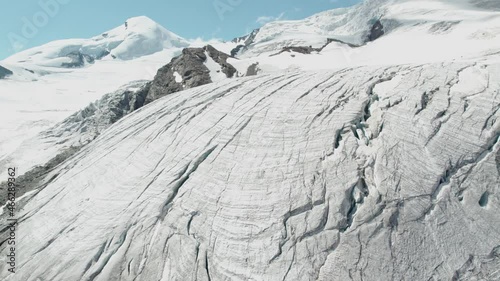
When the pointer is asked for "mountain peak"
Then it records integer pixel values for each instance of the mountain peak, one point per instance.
(137, 37)
(141, 36)
(143, 22)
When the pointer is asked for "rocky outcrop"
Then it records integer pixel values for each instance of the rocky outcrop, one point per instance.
(187, 71)
(188, 66)
(4, 72)
(221, 59)
(309, 49)
(376, 31)
(243, 42)
(253, 69)
(299, 49)
(331, 40)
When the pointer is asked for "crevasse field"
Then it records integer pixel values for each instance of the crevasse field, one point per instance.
(344, 159)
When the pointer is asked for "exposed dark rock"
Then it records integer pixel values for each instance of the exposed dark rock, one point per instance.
(244, 42)
(4, 72)
(376, 31)
(221, 58)
(310, 49)
(190, 65)
(77, 60)
(253, 69)
(298, 49)
(331, 40)
(302, 50)
(237, 50)
(247, 39)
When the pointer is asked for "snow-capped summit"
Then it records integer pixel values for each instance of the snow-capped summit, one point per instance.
(140, 36)
(137, 37)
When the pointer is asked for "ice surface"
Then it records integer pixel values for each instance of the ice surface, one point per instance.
(141, 36)
(299, 176)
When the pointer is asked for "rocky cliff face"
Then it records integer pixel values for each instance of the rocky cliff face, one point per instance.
(187, 71)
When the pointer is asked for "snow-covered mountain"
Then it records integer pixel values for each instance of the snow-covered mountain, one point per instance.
(367, 147)
(413, 31)
(137, 37)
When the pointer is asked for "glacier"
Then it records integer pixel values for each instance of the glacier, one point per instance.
(368, 156)
(372, 173)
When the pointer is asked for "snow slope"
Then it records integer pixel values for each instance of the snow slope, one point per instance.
(300, 176)
(415, 30)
